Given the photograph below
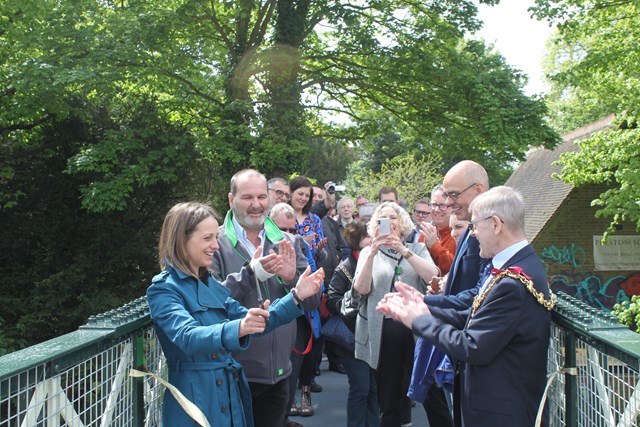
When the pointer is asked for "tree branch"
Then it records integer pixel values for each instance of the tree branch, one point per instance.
(26, 126)
(262, 23)
(218, 26)
(192, 86)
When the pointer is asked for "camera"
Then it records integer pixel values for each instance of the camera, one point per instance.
(334, 188)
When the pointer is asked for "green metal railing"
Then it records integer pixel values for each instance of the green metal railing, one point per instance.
(82, 378)
(602, 388)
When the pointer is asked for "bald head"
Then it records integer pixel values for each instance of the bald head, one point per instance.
(462, 183)
(471, 172)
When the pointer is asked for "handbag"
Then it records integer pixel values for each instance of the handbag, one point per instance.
(335, 330)
(350, 301)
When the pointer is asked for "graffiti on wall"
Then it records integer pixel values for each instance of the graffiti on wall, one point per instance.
(587, 286)
(571, 255)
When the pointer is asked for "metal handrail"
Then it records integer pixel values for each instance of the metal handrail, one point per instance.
(82, 378)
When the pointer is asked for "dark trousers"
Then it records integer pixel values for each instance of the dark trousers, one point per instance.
(302, 339)
(269, 403)
(396, 360)
(362, 402)
(437, 408)
(457, 409)
(332, 355)
(311, 362)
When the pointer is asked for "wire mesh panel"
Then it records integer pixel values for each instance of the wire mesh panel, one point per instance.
(153, 390)
(16, 392)
(607, 389)
(95, 391)
(82, 378)
(556, 396)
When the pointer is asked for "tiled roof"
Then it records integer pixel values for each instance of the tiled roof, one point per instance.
(542, 193)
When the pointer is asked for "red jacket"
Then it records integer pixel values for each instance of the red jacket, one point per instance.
(443, 250)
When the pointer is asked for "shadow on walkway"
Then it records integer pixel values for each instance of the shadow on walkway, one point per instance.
(331, 403)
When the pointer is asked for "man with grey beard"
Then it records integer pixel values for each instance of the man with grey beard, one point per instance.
(246, 234)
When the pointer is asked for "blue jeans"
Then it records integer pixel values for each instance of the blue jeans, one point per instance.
(362, 404)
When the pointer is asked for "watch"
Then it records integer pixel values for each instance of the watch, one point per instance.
(408, 255)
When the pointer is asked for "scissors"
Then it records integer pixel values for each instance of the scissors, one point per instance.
(260, 298)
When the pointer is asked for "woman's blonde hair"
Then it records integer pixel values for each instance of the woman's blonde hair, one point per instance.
(406, 225)
(177, 228)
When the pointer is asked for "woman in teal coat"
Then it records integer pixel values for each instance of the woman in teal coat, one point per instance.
(199, 325)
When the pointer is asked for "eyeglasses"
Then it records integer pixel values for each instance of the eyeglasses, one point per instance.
(472, 224)
(441, 206)
(288, 230)
(421, 213)
(453, 195)
(347, 207)
(281, 193)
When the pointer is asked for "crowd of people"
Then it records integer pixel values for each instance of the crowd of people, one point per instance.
(447, 298)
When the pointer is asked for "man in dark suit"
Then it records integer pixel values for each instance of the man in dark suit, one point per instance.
(501, 338)
(462, 184)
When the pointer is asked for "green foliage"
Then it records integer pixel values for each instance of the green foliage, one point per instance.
(413, 178)
(246, 79)
(594, 69)
(612, 158)
(465, 103)
(110, 112)
(628, 312)
(62, 262)
(330, 161)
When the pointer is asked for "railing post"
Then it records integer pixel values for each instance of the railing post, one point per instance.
(570, 381)
(138, 383)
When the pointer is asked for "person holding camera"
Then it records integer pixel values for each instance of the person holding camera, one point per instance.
(323, 207)
(385, 344)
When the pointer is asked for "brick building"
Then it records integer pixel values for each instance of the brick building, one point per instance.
(562, 226)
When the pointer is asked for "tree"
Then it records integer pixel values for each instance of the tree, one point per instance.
(246, 78)
(330, 161)
(412, 177)
(126, 107)
(61, 262)
(601, 75)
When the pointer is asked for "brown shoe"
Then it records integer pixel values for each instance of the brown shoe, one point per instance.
(306, 407)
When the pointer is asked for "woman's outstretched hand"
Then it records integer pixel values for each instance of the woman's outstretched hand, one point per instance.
(255, 321)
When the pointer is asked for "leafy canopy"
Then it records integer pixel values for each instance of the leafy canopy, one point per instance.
(595, 72)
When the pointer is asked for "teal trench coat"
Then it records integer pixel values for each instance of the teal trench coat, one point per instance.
(197, 326)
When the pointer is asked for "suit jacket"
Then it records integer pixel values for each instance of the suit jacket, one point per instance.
(466, 265)
(503, 350)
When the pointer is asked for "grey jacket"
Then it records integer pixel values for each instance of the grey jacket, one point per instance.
(266, 361)
(369, 321)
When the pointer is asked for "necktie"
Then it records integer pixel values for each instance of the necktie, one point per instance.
(486, 272)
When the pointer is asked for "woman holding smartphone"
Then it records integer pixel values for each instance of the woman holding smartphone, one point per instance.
(386, 345)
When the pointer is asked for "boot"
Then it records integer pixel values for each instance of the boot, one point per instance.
(294, 409)
(306, 407)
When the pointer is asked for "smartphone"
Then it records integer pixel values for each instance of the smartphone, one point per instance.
(435, 284)
(384, 226)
